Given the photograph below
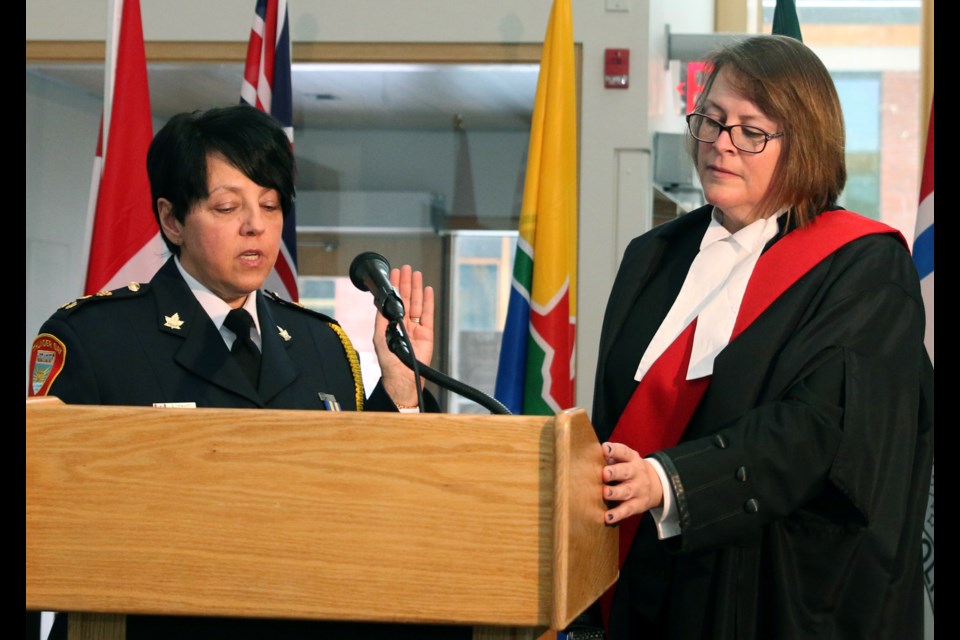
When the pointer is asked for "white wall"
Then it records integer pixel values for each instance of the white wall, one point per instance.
(615, 164)
(61, 140)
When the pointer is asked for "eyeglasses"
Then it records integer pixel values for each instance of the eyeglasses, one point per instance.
(744, 137)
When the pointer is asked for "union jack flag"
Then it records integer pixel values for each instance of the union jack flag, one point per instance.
(267, 86)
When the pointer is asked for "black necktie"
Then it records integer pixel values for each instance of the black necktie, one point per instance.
(244, 350)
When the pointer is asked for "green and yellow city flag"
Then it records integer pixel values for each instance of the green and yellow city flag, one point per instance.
(785, 20)
(535, 375)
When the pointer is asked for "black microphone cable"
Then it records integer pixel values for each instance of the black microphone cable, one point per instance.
(370, 271)
(398, 340)
(399, 348)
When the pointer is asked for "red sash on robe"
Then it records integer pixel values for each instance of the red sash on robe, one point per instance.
(664, 401)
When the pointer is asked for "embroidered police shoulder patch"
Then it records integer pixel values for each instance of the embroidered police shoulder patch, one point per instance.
(47, 357)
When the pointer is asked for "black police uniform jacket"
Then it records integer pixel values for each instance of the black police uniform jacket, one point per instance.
(803, 476)
(154, 343)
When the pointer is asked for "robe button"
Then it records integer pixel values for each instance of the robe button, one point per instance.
(751, 505)
(742, 474)
(720, 441)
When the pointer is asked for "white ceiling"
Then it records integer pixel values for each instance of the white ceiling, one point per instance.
(345, 96)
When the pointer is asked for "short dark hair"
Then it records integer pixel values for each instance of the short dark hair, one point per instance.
(250, 140)
(789, 84)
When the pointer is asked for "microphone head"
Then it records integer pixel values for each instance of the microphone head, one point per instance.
(361, 265)
(370, 271)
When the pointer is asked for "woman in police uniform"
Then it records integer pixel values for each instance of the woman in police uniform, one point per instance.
(222, 182)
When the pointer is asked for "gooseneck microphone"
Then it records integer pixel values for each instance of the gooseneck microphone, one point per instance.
(370, 271)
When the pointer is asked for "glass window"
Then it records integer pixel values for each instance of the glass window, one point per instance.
(860, 99)
(848, 12)
(482, 264)
(318, 293)
(872, 49)
(335, 296)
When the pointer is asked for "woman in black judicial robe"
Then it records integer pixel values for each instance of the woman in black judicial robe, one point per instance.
(783, 450)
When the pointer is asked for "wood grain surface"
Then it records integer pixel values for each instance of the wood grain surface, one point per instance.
(301, 514)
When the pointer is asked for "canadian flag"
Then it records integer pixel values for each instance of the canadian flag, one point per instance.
(123, 236)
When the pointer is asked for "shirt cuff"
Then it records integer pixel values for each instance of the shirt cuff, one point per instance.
(666, 517)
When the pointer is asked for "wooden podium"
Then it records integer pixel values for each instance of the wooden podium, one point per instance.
(489, 521)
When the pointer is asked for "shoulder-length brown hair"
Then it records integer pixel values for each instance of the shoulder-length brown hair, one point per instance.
(790, 85)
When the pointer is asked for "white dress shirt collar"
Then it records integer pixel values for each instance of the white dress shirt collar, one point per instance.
(712, 291)
(217, 309)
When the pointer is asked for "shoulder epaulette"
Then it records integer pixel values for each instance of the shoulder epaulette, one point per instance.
(131, 290)
(275, 297)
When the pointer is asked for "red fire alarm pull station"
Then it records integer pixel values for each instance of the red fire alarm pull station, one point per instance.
(616, 68)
